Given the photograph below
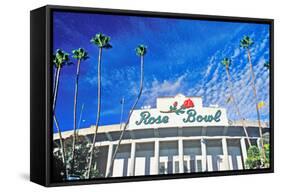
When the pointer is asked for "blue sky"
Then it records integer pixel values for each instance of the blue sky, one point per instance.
(183, 56)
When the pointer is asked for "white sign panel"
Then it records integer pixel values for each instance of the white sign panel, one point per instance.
(183, 114)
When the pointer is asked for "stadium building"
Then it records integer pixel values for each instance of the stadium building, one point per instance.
(180, 135)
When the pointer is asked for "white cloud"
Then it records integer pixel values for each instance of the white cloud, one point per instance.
(164, 88)
(214, 89)
(236, 53)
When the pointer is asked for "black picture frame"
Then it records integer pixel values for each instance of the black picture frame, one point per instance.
(41, 86)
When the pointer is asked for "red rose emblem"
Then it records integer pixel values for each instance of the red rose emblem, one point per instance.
(175, 104)
(188, 104)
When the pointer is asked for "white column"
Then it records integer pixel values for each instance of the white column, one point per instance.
(109, 156)
(180, 147)
(244, 151)
(132, 159)
(204, 155)
(156, 156)
(259, 143)
(225, 154)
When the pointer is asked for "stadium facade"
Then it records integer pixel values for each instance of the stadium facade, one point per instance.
(180, 135)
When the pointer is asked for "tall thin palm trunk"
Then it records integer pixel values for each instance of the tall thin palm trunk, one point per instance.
(57, 75)
(236, 106)
(61, 146)
(56, 88)
(122, 110)
(79, 123)
(256, 101)
(74, 114)
(80, 117)
(54, 81)
(128, 120)
(98, 115)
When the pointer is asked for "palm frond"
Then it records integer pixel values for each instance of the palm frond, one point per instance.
(266, 65)
(141, 50)
(101, 40)
(80, 54)
(246, 42)
(60, 58)
(226, 62)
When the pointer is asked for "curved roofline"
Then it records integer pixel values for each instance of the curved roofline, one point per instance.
(116, 127)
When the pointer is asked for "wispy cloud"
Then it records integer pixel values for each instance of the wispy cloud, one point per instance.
(163, 88)
(183, 57)
(214, 87)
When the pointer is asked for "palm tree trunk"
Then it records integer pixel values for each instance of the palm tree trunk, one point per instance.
(56, 88)
(128, 120)
(57, 75)
(54, 81)
(74, 115)
(62, 146)
(80, 117)
(236, 106)
(98, 115)
(79, 123)
(122, 110)
(256, 100)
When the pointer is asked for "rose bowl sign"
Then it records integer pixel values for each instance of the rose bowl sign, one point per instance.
(178, 111)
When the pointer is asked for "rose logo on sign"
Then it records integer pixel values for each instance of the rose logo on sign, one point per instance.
(188, 103)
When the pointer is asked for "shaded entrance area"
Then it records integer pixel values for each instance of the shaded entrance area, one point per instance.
(122, 161)
(192, 156)
(214, 155)
(144, 159)
(168, 160)
(234, 154)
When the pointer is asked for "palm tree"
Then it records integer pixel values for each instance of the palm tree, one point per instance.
(81, 55)
(102, 42)
(226, 63)
(246, 43)
(266, 65)
(140, 51)
(60, 58)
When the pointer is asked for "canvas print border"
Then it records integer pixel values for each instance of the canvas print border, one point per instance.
(48, 137)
